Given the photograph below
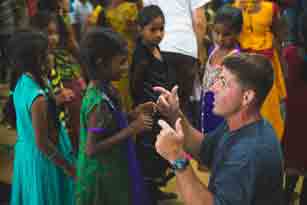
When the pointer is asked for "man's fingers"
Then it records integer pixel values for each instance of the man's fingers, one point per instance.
(162, 101)
(161, 90)
(175, 90)
(164, 125)
(178, 128)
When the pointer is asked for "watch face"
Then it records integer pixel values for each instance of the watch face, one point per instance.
(180, 164)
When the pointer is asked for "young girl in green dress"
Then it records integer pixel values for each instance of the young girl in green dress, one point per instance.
(107, 169)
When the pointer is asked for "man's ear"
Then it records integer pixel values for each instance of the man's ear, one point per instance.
(249, 96)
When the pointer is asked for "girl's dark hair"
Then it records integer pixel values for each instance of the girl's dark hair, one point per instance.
(149, 13)
(29, 56)
(231, 16)
(100, 43)
(42, 19)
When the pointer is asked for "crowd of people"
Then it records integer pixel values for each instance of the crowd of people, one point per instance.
(112, 98)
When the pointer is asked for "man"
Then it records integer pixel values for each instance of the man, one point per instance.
(182, 46)
(243, 154)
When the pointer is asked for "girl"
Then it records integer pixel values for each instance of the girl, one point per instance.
(148, 69)
(63, 71)
(227, 26)
(121, 16)
(107, 168)
(43, 169)
(261, 33)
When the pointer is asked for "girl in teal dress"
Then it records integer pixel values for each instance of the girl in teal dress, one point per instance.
(43, 165)
(107, 170)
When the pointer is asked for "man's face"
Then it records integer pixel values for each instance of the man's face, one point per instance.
(228, 94)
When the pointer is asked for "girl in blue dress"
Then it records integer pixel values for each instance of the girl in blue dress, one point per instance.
(43, 164)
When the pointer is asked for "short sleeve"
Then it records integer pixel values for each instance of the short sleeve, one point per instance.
(98, 113)
(195, 4)
(32, 97)
(103, 119)
(33, 91)
(210, 144)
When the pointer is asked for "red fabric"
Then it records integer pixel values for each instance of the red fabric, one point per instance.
(276, 12)
(295, 137)
(267, 53)
(32, 7)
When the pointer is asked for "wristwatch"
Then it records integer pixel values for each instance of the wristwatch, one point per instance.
(180, 164)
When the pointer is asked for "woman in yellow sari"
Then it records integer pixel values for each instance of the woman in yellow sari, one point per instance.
(121, 16)
(259, 35)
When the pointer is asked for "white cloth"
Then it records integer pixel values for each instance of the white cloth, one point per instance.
(179, 34)
(80, 12)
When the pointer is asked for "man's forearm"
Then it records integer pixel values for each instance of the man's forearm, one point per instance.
(193, 139)
(192, 190)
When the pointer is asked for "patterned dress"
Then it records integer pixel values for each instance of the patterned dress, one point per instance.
(110, 177)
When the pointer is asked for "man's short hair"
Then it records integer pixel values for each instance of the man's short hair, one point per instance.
(253, 71)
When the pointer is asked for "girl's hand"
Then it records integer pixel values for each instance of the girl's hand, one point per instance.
(145, 108)
(70, 171)
(65, 95)
(143, 122)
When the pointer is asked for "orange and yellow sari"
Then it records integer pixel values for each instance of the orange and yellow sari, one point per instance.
(257, 37)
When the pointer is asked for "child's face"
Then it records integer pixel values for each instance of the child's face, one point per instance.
(224, 36)
(53, 36)
(115, 69)
(119, 65)
(152, 33)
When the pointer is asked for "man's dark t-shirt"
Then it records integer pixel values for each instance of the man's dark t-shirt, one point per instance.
(246, 165)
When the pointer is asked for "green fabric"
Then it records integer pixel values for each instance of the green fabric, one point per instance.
(65, 65)
(103, 178)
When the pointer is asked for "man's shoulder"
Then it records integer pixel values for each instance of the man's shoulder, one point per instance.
(258, 140)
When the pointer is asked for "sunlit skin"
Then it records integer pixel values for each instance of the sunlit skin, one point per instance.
(228, 94)
(235, 103)
(114, 69)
